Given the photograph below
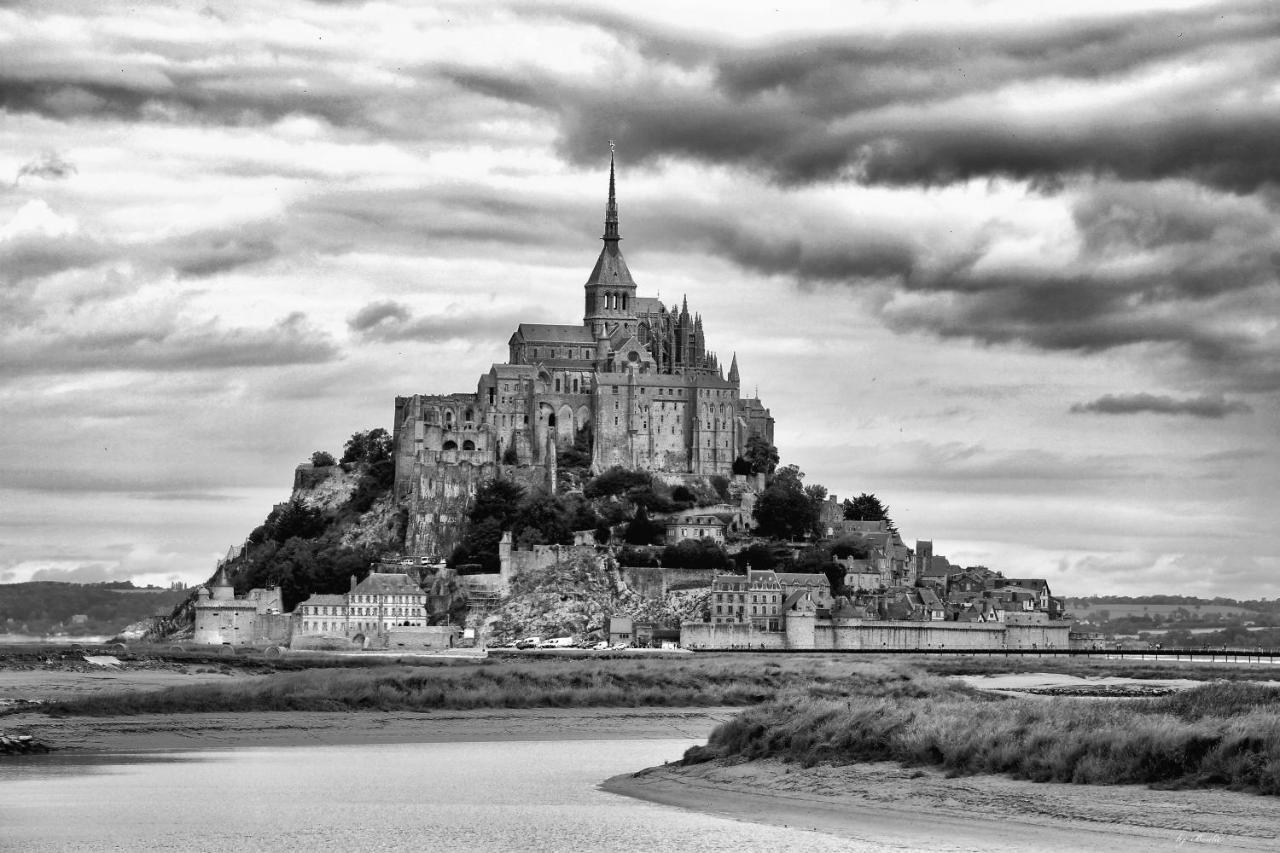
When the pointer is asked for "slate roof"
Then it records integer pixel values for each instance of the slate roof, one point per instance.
(647, 305)
(327, 600)
(802, 579)
(379, 583)
(551, 333)
(610, 267)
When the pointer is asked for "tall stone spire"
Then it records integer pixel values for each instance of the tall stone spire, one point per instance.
(733, 370)
(611, 206)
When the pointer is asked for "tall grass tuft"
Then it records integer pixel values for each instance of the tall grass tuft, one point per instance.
(1217, 735)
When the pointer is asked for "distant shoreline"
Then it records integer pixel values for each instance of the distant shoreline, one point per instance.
(167, 732)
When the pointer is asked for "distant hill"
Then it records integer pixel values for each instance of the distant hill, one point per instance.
(1192, 610)
(79, 610)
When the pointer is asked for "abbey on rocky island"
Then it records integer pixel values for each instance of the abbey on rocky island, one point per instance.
(634, 378)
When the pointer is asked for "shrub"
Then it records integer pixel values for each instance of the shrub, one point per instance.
(616, 481)
(323, 459)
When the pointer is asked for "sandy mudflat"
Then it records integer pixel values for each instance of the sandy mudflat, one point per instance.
(148, 732)
(923, 810)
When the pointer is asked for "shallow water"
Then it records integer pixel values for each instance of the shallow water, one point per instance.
(506, 795)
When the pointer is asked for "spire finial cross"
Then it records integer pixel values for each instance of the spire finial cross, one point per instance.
(610, 146)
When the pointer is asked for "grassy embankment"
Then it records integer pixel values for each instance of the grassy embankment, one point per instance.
(505, 684)
(1214, 735)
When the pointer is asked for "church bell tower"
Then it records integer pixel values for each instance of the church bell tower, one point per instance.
(610, 290)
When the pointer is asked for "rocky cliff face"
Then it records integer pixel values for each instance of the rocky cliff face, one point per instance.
(577, 595)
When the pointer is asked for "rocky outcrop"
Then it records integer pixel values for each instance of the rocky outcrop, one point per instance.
(16, 744)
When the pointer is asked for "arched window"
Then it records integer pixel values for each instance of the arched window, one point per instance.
(468, 445)
(448, 417)
(470, 416)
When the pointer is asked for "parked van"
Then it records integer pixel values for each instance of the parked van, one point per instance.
(557, 643)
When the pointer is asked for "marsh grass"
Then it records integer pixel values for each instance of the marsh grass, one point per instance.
(1214, 735)
(564, 684)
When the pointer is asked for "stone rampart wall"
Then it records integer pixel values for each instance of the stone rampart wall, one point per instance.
(417, 638)
(862, 634)
(705, 635)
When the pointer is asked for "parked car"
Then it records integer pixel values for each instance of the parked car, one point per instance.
(601, 646)
(529, 643)
(618, 647)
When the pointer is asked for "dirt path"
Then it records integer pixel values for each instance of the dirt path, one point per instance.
(923, 810)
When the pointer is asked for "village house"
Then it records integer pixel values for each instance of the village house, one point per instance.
(382, 602)
(716, 523)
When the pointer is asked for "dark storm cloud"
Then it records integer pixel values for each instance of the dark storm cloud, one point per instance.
(1132, 404)
(164, 346)
(36, 255)
(434, 219)
(197, 254)
(932, 108)
(389, 322)
(49, 165)
(206, 253)
(375, 313)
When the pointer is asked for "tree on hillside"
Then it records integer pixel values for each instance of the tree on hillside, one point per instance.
(542, 519)
(294, 520)
(817, 496)
(642, 531)
(479, 546)
(758, 557)
(616, 481)
(372, 446)
(760, 455)
(783, 510)
(695, 554)
(850, 547)
(323, 459)
(867, 507)
(498, 499)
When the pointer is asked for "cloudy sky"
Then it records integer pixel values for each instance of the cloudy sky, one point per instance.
(1012, 267)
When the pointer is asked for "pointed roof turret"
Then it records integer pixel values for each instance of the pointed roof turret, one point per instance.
(733, 370)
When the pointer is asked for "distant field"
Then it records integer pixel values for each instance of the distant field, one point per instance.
(1087, 610)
